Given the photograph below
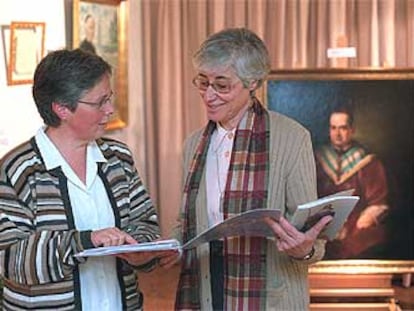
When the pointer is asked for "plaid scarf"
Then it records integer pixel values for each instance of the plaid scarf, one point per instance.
(246, 188)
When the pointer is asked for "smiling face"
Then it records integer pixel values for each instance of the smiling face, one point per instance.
(87, 122)
(226, 109)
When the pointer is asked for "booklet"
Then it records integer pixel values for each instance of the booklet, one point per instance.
(338, 205)
(161, 245)
(251, 223)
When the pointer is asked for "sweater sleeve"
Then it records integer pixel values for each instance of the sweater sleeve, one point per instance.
(301, 185)
(293, 171)
(144, 225)
(30, 256)
(143, 222)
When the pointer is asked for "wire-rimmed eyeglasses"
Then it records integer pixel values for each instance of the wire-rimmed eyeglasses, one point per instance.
(220, 85)
(98, 105)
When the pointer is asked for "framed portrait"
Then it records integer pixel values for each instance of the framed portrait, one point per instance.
(99, 26)
(26, 49)
(382, 104)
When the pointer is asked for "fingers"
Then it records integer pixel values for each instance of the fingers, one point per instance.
(288, 239)
(274, 226)
(137, 258)
(292, 241)
(166, 258)
(171, 259)
(314, 232)
(130, 240)
(282, 229)
(111, 237)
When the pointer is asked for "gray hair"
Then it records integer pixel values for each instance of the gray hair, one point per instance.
(237, 48)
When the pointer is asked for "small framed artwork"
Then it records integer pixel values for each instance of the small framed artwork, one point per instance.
(99, 26)
(25, 52)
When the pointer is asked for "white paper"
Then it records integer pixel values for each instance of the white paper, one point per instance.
(250, 223)
(162, 245)
(339, 205)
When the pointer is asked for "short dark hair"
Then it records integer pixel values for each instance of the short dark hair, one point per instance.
(347, 110)
(64, 76)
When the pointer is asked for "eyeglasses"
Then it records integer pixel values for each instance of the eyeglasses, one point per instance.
(98, 105)
(221, 85)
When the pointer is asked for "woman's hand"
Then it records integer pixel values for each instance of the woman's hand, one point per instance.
(140, 258)
(111, 237)
(291, 241)
(114, 237)
(170, 259)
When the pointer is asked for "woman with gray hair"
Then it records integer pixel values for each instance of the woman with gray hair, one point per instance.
(68, 189)
(245, 158)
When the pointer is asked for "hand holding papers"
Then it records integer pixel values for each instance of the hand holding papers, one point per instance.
(251, 223)
(338, 205)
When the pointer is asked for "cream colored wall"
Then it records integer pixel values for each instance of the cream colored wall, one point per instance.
(18, 117)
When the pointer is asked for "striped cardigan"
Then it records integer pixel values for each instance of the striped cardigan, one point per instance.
(38, 237)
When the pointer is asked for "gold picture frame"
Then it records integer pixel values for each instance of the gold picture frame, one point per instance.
(379, 95)
(362, 266)
(27, 41)
(100, 26)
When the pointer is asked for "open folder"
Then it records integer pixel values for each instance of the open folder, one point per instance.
(251, 223)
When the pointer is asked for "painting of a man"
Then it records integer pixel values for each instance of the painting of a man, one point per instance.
(343, 164)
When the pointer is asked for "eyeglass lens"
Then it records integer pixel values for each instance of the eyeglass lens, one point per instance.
(103, 101)
(221, 85)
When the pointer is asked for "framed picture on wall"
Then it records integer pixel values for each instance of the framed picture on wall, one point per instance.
(99, 26)
(26, 49)
(380, 235)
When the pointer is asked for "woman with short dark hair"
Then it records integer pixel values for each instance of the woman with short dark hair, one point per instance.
(68, 189)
